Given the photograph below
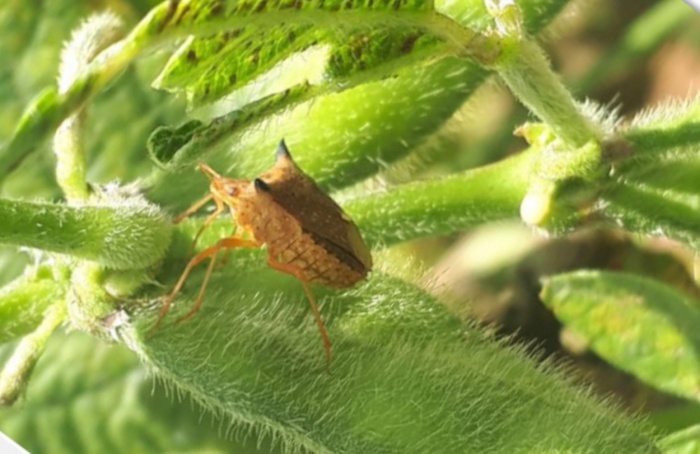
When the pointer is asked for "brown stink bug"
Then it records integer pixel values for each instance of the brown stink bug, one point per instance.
(307, 235)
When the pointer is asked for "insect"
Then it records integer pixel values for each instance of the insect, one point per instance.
(307, 235)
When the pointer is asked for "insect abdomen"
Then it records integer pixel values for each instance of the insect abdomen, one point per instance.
(317, 265)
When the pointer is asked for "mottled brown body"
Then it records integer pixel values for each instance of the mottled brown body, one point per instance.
(306, 233)
(289, 244)
(302, 226)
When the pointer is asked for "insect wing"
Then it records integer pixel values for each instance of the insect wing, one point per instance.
(319, 216)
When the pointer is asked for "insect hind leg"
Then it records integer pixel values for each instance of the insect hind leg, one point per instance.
(294, 271)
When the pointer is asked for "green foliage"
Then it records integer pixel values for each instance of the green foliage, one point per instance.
(323, 140)
(212, 67)
(405, 376)
(24, 301)
(639, 325)
(353, 87)
(89, 397)
(682, 442)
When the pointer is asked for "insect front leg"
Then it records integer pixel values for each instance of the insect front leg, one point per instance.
(211, 218)
(208, 253)
(193, 209)
(294, 271)
(224, 259)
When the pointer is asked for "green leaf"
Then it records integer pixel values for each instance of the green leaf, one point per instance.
(640, 325)
(24, 301)
(188, 13)
(174, 20)
(655, 212)
(686, 441)
(337, 139)
(405, 377)
(378, 49)
(87, 397)
(166, 140)
(178, 147)
(208, 68)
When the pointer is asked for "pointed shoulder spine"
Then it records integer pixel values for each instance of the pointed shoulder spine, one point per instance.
(283, 151)
(261, 185)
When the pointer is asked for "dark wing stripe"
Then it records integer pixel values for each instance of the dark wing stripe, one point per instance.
(338, 252)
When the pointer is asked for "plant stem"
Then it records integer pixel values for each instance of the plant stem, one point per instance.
(24, 301)
(443, 205)
(649, 142)
(120, 237)
(70, 158)
(93, 36)
(530, 77)
(20, 365)
(674, 126)
(640, 209)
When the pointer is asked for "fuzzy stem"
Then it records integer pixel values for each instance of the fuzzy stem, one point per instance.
(656, 141)
(444, 205)
(90, 39)
(652, 212)
(117, 237)
(666, 128)
(24, 301)
(530, 77)
(70, 158)
(21, 364)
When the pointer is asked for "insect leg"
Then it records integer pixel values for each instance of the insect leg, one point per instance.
(225, 243)
(294, 271)
(211, 218)
(196, 260)
(200, 295)
(224, 260)
(209, 252)
(193, 209)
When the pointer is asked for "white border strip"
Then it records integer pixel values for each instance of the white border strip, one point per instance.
(695, 4)
(7, 446)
